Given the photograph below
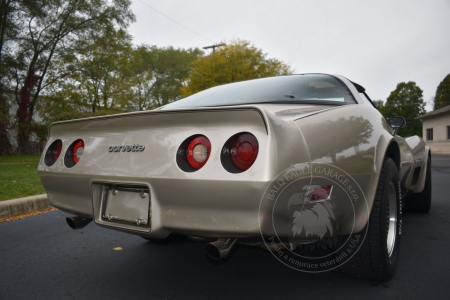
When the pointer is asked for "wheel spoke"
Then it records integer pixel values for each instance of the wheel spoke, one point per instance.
(391, 218)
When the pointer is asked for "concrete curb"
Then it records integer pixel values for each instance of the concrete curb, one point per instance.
(9, 208)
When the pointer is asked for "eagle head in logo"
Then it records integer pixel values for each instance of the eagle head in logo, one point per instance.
(312, 213)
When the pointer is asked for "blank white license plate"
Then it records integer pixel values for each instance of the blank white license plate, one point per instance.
(126, 205)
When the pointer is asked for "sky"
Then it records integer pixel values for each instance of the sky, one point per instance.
(375, 43)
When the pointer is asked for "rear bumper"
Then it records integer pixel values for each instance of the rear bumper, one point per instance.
(214, 208)
(208, 208)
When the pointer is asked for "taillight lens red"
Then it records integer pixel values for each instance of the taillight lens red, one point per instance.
(198, 151)
(322, 193)
(56, 150)
(74, 153)
(53, 153)
(244, 151)
(78, 150)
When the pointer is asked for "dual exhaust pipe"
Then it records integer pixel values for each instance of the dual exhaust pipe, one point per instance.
(215, 250)
(77, 222)
(220, 248)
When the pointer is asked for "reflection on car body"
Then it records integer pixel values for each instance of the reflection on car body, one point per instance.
(212, 158)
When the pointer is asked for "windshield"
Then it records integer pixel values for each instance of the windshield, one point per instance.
(293, 89)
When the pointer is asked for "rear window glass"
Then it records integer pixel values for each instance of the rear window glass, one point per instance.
(308, 89)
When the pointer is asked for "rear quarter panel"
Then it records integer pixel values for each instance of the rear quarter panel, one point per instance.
(354, 139)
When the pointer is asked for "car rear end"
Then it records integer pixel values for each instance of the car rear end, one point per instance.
(132, 172)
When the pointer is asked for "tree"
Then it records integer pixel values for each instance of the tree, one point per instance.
(406, 101)
(8, 32)
(9, 25)
(236, 61)
(107, 73)
(442, 97)
(49, 28)
(5, 145)
(98, 72)
(159, 74)
(379, 104)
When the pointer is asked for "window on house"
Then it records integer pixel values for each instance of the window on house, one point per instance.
(448, 132)
(429, 134)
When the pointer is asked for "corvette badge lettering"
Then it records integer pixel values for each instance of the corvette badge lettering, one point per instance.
(127, 148)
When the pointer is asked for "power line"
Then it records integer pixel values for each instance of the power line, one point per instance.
(176, 22)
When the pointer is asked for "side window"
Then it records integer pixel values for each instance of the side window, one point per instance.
(430, 134)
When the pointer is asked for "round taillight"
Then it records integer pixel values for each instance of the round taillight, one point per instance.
(78, 150)
(197, 152)
(53, 153)
(244, 151)
(56, 151)
(74, 153)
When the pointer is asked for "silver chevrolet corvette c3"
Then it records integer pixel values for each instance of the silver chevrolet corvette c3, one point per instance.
(300, 163)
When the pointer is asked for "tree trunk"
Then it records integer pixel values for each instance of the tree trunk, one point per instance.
(5, 145)
(25, 112)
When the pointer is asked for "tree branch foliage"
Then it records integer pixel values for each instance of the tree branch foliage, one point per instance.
(34, 34)
(405, 101)
(442, 97)
(65, 59)
(236, 61)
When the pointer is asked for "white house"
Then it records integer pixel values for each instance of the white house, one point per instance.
(436, 130)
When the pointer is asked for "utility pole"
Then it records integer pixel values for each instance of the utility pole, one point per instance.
(214, 47)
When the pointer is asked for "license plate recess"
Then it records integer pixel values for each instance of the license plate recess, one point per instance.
(126, 205)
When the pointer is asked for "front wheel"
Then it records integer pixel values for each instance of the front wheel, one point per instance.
(378, 256)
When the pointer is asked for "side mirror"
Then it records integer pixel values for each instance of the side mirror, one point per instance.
(396, 123)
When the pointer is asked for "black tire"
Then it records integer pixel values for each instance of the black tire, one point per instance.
(421, 202)
(373, 259)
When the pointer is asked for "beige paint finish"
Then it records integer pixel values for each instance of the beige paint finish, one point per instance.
(212, 202)
(336, 137)
(193, 198)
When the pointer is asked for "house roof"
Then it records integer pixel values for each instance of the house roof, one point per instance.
(437, 112)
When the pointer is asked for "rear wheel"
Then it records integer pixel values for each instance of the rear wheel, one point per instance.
(378, 255)
(421, 202)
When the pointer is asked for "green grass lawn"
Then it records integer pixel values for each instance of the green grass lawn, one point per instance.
(19, 158)
(19, 179)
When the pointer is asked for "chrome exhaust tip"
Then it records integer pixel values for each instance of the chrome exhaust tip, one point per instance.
(77, 222)
(220, 248)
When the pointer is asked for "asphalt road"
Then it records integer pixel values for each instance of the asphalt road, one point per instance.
(42, 258)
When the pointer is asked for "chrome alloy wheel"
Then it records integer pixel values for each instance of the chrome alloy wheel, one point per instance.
(391, 218)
